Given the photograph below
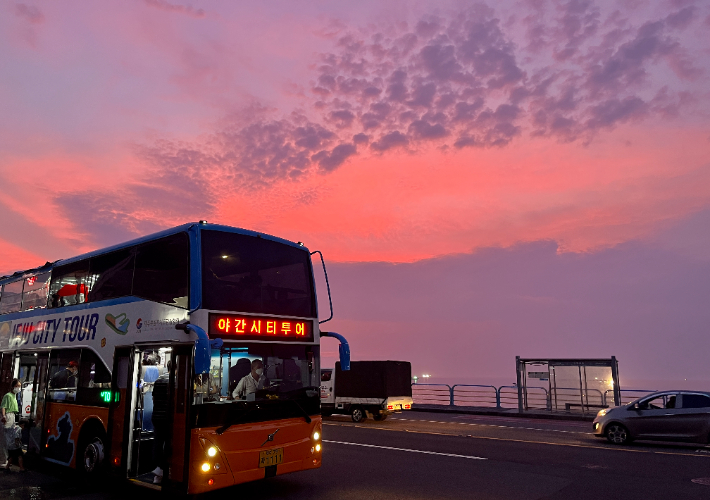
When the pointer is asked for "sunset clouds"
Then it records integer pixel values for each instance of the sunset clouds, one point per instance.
(422, 121)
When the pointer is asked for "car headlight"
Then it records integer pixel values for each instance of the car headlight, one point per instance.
(602, 413)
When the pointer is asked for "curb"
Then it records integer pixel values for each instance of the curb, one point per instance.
(472, 410)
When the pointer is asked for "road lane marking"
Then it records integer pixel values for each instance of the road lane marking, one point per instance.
(489, 425)
(572, 445)
(406, 449)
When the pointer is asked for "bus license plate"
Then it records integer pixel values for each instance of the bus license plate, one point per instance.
(268, 458)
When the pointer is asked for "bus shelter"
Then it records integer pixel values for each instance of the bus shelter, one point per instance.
(567, 385)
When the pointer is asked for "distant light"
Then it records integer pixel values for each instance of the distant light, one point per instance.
(426, 376)
(225, 256)
(203, 222)
(300, 243)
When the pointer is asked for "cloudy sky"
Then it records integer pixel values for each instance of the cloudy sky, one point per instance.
(485, 179)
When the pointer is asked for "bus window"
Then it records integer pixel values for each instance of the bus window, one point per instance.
(162, 269)
(245, 273)
(113, 275)
(11, 298)
(34, 292)
(70, 284)
(262, 371)
(94, 380)
(63, 375)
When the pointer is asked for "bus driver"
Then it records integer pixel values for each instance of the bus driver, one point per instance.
(251, 382)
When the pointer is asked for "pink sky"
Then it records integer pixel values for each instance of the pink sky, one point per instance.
(387, 134)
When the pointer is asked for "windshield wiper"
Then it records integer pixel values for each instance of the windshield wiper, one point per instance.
(304, 412)
(233, 421)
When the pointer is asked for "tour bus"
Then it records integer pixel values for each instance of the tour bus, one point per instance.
(191, 310)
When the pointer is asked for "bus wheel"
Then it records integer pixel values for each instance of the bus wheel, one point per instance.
(358, 414)
(380, 417)
(91, 455)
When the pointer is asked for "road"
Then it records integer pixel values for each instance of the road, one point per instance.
(418, 455)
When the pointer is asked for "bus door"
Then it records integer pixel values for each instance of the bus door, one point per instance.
(118, 413)
(26, 374)
(156, 434)
(37, 434)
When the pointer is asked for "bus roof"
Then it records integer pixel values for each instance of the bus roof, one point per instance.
(144, 239)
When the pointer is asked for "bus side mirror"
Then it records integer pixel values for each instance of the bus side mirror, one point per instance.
(344, 349)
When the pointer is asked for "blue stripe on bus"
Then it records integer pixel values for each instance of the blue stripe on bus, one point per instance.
(79, 307)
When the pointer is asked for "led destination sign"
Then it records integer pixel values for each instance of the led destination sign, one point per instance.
(236, 326)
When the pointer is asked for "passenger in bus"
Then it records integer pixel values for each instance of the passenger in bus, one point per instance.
(65, 378)
(251, 382)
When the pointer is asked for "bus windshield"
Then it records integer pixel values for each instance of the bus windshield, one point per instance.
(244, 273)
(261, 382)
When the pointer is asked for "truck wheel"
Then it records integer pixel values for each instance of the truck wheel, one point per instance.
(358, 415)
(380, 417)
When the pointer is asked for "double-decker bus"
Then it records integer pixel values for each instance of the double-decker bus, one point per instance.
(187, 360)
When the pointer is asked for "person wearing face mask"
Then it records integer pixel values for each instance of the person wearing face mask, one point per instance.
(251, 382)
(8, 411)
(66, 378)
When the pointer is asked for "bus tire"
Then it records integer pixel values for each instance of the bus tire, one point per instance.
(90, 456)
(358, 414)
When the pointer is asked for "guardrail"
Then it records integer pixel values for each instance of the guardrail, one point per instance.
(506, 396)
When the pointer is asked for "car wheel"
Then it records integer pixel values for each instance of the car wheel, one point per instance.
(380, 417)
(617, 434)
(358, 414)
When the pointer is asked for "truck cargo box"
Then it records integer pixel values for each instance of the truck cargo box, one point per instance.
(374, 379)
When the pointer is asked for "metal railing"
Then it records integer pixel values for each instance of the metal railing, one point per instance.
(565, 399)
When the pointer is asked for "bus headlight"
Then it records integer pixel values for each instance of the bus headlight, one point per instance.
(211, 451)
(206, 467)
(316, 435)
(318, 447)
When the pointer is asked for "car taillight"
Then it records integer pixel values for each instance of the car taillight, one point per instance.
(390, 407)
(407, 407)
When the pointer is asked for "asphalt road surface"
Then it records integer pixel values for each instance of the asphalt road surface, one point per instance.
(417, 455)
